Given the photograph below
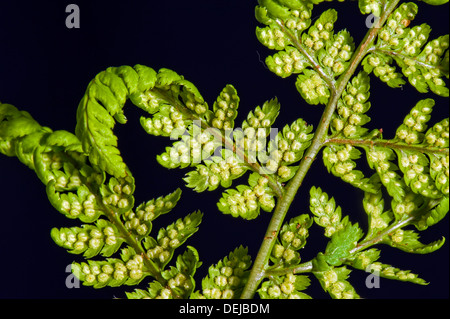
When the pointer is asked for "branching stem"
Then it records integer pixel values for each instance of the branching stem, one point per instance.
(405, 57)
(389, 144)
(261, 262)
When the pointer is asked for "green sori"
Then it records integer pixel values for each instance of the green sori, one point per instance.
(87, 180)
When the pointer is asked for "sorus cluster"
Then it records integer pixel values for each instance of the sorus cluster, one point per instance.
(113, 272)
(180, 282)
(67, 190)
(438, 135)
(217, 172)
(192, 148)
(325, 211)
(89, 239)
(338, 53)
(119, 193)
(246, 201)
(419, 76)
(225, 109)
(409, 203)
(415, 122)
(374, 205)
(286, 62)
(169, 238)
(299, 20)
(439, 171)
(414, 40)
(140, 221)
(167, 122)
(383, 70)
(334, 282)
(292, 237)
(250, 142)
(417, 174)
(286, 287)
(82, 205)
(261, 118)
(294, 233)
(339, 160)
(227, 278)
(172, 87)
(321, 32)
(352, 106)
(432, 54)
(272, 37)
(380, 159)
(288, 148)
(394, 273)
(368, 6)
(312, 87)
(50, 165)
(395, 27)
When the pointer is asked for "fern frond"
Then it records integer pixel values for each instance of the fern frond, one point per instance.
(81, 183)
(367, 261)
(314, 51)
(113, 272)
(292, 238)
(102, 238)
(161, 249)
(326, 213)
(225, 109)
(180, 282)
(334, 281)
(285, 287)
(424, 64)
(226, 279)
(246, 200)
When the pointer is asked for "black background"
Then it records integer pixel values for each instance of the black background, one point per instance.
(45, 68)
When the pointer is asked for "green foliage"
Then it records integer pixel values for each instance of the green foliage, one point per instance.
(86, 179)
(351, 108)
(160, 250)
(423, 63)
(180, 282)
(334, 281)
(326, 213)
(404, 189)
(304, 48)
(292, 238)
(103, 238)
(228, 277)
(246, 200)
(341, 243)
(285, 287)
(367, 260)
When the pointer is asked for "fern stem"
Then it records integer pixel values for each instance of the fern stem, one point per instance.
(404, 57)
(374, 240)
(297, 269)
(261, 261)
(129, 239)
(389, 144)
